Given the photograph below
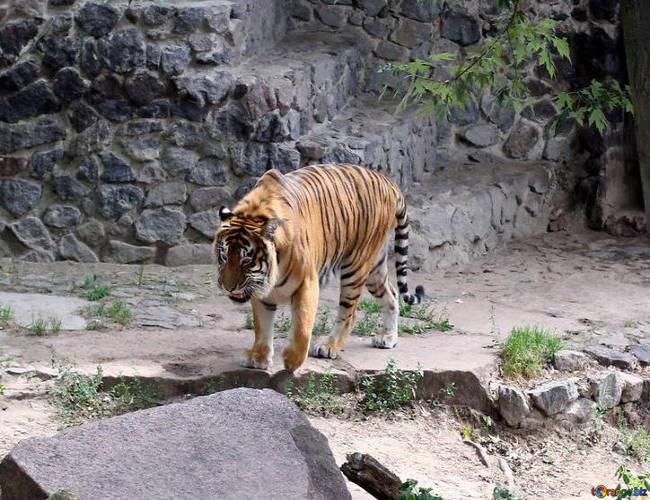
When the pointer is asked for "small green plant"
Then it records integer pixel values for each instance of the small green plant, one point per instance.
(319, 395)
(38, 327)
(283, 323)
(500, 492)
(428, 317)
(468, 432)
(630, 323)
(54, 324)
(369, 306)
(390, 389)
(118, 311)
(634, 442)
(449, 390)
(5, 315)
(79, 395)
(526, 350)
(366, 326)
(410, 490)
(322, 326)
(95, 290)
(140, 275)
(249, 324)
(134, 395)
(2, 389)
(631, 481)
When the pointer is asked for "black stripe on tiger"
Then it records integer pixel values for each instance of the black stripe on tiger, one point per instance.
(401, 257)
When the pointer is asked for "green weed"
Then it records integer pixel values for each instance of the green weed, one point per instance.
(282, 324)
(632, 480)
(500, 492)
(134, 395)
(38, 327)
(322, 326)
(634, 442)
(79, 395)
(390, 389)
(118, 311)
(5, 315)
(366, 326)
(527, 349)
(630, 323)
(369, 306)
(140, 275)
(2, 389)
(449, 390)
(54, 324)
(250, 324)
(410, 490)
(428, 317)
(319, 395)
(95, 290)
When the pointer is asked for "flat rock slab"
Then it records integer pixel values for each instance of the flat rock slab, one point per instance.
(27, 307)
(236, 444)
(609, 357)
(200, 360)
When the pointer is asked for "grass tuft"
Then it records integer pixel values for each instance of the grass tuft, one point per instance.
(527, 349)
(319, 395)
(95, 290)
(633, 442)
(390, 389)
(118, 311)
(5, 315)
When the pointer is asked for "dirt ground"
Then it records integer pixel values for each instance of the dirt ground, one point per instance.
(586, 286)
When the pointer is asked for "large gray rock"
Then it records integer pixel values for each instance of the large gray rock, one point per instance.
(97, 19)
(609, 357)
(206, 222)
(123, 253)
(31, 232)
(481, 135)
(460, 27)
(513, 405)
(607, 389)
(71, 248)
(554, 397)
(522, 140)
(632, 387)
(115, 200)
(164, 225)
(242, 443)
(166, 193)
(18, 196)
(184, 255)
(579, 411)
(641, 352)
(61, 216)
(567, 360)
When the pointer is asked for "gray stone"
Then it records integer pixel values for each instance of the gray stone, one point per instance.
(609, 357)
(481, 135)
(183, 255)
(521, 141)
(161, 225)
(151, 172)
(460, 27)
(37, 255)
(59, 52)
(179, 161)
(89, 170)
(567, 360)
(632, 387)
(464, 116)
(332, 15)
(12, 165)
(410, 33)
(607, 390)
(206, 222)
(69, 85)
(205, 90)
(146, 149)
(91, 140)
(558, 149)
(554, 397)
(143, 87)
(92, 232)
(34, 100)
(68, 188)
(31, 232)
(61, 216)
(18, 76)
(137, 128)
(184, 134)
(166, 193)
(419, 10)
(70, 248)
(218, 17)
(502, 116)
(91, 62)
(26, 135)
(188, 20)
(312, 150)
(209, 197)
(124, 50)
(208, 172)
(18, 196)
(156, 15)
(123, 253)
(175, 57)
(43, 162)
(14, 35)
(116, 169)
(266, 437)
(513, 405)
(379, 27)
(81, 116)
(391, 51)
(579, 411)
(641, 352)
(372, 7)
(97, 19)
(115, 200)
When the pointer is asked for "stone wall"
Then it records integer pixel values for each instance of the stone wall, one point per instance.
(124, 124)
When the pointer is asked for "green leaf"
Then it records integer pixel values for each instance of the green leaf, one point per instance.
(443, 56)
(597, 118)
(563, 100)
(562, 47)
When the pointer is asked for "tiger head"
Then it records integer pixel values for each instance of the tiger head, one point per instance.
(245, 254)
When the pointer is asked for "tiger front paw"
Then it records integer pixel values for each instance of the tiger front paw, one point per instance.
(324, 350)
(260, 360)
(383, 341)
(293, 358)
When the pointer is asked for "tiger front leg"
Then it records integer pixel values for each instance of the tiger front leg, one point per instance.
(304, 306)
(261, 354)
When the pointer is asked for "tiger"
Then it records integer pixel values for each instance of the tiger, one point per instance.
(292, 231)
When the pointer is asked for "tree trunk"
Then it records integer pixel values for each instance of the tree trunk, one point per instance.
(636, 31)
(372, 476)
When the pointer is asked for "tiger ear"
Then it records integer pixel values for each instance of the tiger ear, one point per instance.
(225, 213)
(270, 227)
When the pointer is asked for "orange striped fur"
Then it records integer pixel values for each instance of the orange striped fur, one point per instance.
(294, 230)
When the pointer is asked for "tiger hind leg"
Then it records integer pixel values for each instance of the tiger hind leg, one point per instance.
(380, 287)
(352, 283)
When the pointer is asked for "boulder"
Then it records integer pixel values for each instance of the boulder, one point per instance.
(641, 352)
(460, 27)
(97, 19)
(513, 405)
(184, 255)
(481, 136)
(18, 196)
(554, 397)
(164, 225)
(241, 443)
(31, 232)
(71, 248)
(206, 222)
(567, 360)
(522, 141)
(123, 253)
(61, 216)
(579, 411)
(609, 357)
(166, 193)
(607, 389)
(632, 387)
